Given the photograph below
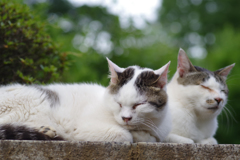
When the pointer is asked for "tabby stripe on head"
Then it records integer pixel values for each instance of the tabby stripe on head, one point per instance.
(200, 76)
(158, 104)
(146, 83)
(123, 78)
(146, 78)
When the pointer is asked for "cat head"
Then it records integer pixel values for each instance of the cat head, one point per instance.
(204, 90)
(136, 94)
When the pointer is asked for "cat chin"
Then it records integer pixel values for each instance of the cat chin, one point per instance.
(214, 108)
(129, 127)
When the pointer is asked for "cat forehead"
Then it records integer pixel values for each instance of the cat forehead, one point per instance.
(202, 75)
(141, 77)
(129, 76)
(132, 72)
(141, 88)
(212, 82)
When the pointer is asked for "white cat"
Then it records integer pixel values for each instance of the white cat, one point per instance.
(132, 108)
(196, 97)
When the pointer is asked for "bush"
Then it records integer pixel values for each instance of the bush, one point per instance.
(27, 54)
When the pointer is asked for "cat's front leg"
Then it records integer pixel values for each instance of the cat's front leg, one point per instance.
(122, 136)
(142, 136)
(174, 138)
(210, 140)
(116, 134)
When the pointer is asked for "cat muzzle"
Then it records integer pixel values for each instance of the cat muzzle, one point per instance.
(213, 108)
(126, 119)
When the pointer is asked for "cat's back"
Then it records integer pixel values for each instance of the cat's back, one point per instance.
(18, 102)
(82, 90)
(18, 92)
(51, 95)
(77, 95)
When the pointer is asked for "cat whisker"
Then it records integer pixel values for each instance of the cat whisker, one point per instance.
(138, 127)
(152, 124)
(231, 115)
(153, 127)
(232, 77)
(149, 123)
(227, 118)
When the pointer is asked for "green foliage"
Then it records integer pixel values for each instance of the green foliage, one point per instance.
(183, 17)
(32, 57)
(27, 53)
(226, 52)
(82, 40)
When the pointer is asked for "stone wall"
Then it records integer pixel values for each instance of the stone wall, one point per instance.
(111, 150)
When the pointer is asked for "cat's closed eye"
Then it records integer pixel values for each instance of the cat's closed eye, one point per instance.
(138, 104)
(224, 91)
(135, 105)
(120, 105)
(205, 87)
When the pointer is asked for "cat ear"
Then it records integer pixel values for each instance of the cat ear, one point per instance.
(184, 64)
(225, 71)
(114, 69)
(162, 72)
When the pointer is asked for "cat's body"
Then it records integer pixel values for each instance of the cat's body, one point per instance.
(124, 111)
(196, 97)
(74, 115)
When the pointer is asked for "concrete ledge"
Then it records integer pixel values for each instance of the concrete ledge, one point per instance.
(111, 150)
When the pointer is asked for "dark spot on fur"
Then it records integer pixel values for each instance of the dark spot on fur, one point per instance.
(146, 79)
(159, 103)
(156, 97)
(123, 78)
(50, 95)
(21, 132)
(146, 83)
(195, 77)
(222, 81)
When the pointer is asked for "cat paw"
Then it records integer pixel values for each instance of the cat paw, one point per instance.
(186, 141)
(142, 136)
(174, 138)
(210, 140)
(49, 131)
(121, 136)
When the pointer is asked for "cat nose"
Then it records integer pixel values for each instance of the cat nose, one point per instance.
(126, 119)
(218, 100)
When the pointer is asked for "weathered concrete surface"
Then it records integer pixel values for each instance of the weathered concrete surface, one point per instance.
(186, 151)
(111, 150)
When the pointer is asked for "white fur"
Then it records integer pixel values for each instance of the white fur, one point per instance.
(193, 122)
(86, 112)
(145, 116)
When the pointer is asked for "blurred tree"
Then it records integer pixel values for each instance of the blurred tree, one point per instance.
(225, 52)
(27, 53)
(196, 21)
(89, 34)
